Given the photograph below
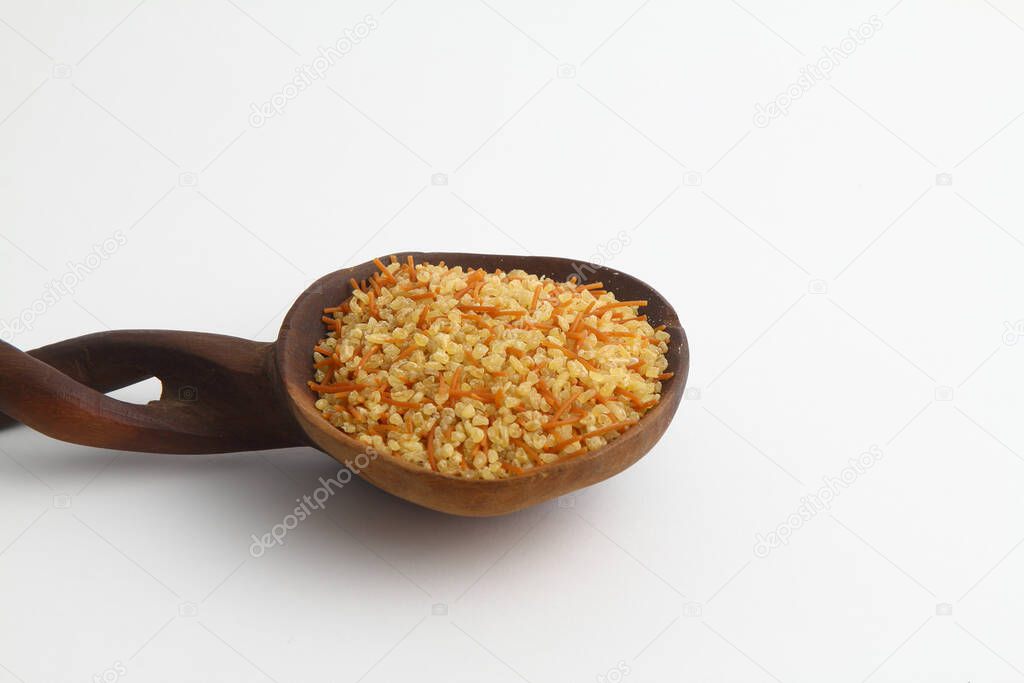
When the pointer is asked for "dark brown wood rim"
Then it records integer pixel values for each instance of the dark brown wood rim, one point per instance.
(293, 351)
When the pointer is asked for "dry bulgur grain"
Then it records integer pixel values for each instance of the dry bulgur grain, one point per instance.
(485, 375)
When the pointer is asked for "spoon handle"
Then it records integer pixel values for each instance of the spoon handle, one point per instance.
(219, 393)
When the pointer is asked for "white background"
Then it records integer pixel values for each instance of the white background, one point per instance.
(838, 291)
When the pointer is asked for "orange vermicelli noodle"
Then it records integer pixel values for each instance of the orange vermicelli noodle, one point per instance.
(485, 375)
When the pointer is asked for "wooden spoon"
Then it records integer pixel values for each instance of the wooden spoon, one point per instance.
(223, 394)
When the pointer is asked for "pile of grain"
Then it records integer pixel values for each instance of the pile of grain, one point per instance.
(485, 375)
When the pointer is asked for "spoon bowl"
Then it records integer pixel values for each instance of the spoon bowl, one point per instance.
(223, 394)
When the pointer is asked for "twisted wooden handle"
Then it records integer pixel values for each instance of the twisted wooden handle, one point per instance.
(220, 394)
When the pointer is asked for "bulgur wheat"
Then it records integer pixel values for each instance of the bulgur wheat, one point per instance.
(485, 375)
